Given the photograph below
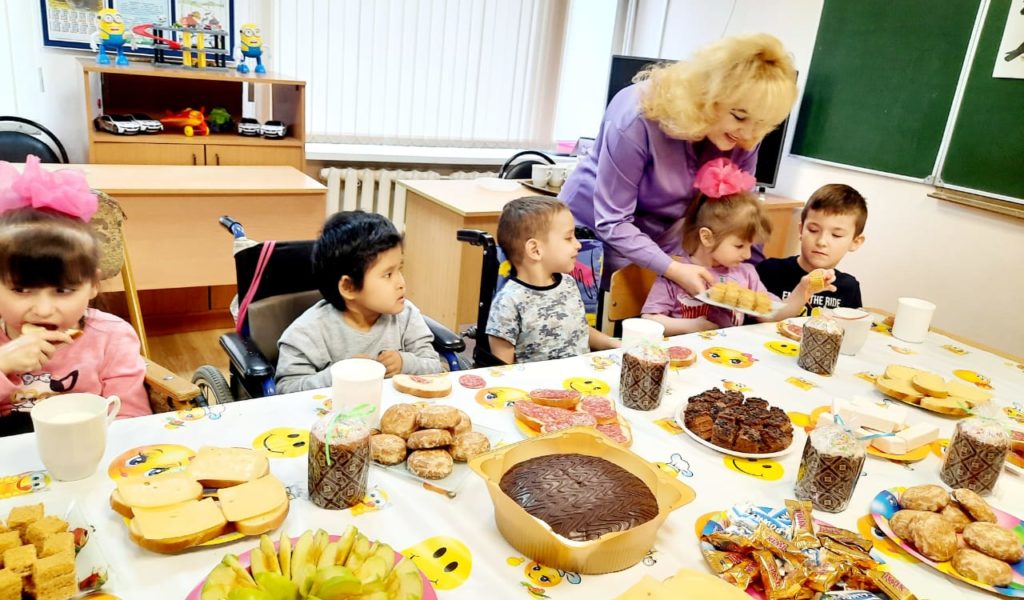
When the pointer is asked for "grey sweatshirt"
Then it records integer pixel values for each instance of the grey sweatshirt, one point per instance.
(320, 337)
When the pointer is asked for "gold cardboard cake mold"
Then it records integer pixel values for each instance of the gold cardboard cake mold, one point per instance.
(534, 538)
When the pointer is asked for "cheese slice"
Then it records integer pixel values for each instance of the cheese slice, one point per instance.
(686, 583)
(907, 440)
(253, 498)
(179, 520)
(160, 490)
(221, 467)
(865, 413)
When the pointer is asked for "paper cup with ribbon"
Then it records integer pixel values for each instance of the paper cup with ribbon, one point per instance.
(339, 457)
(977, 450)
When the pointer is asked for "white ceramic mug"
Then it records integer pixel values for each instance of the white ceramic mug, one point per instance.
(356, 381)
(557, 177)
(71, 432)
(913, 317)
(541, 174)
(638, 331)
(856, 324)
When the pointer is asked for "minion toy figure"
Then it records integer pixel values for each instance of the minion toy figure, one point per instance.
(110, 34)
(252, 47)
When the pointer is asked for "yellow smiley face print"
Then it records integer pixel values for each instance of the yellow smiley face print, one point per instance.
(587, 386)
(760, 468)
(283, 442)
(444, 560)
(783, 348)
(727, 357)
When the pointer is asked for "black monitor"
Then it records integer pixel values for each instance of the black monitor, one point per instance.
(624, 68)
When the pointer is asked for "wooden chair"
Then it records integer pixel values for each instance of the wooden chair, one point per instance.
(627, 293)
(167, 391)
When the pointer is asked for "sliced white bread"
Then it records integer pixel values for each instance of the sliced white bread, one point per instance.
(261, 524)
(930, 384)
(225, 467)
(947, 406)
(423, 386)
(174, 528)
(901, 372)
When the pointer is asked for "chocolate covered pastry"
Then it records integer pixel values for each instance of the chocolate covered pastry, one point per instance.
(727, 420)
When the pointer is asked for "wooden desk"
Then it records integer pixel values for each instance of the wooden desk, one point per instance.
(172, 233)
(443, 274)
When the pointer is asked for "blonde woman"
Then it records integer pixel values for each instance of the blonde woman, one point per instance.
(635, 184)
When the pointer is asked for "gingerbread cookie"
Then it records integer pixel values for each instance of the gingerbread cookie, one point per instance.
(901, 521)
(956, 516)
(933, 537)
(399, 420)
(468, 445)
(924, 497)
(387, 449)
(465, 424)
(975, 565)
(429, 438)
(430, 464)
(975, 505)
(438, 417)
(993, 540)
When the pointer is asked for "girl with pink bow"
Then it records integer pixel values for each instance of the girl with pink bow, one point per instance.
(719, 228)
(51, 342)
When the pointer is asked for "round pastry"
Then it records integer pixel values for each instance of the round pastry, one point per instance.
(429, 438)
(901, 521)
(387, 449)
(467, 445)
(993, 540)
(956, 516)
(933, 537)
(975, 505)
(430, 464)
(438, 417)
(924, 497)
(975, 565)
(399, 420)
(465, 424)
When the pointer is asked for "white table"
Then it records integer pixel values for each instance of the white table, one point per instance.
(412, 515)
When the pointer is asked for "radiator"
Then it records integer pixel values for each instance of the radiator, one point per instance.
(375, 190)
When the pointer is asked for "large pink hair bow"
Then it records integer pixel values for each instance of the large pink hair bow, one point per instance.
(65, 191)
(721, 177)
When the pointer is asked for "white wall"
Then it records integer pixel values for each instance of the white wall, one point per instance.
(968, 261)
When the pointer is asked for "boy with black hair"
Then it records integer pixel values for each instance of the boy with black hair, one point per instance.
(357, 262)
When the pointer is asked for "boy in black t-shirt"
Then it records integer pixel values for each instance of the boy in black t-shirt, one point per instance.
(831, 224)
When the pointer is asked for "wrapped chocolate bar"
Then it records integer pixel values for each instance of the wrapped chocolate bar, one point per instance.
(830, 467)
(803, 524)
(819, 346)
(643, 376)
(977, 451)
(339, 461)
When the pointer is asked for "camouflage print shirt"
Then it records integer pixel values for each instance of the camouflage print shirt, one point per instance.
(543, 323)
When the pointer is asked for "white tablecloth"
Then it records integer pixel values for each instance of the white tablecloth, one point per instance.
(487, 566)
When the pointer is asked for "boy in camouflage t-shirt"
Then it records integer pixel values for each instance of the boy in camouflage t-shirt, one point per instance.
(539, 314)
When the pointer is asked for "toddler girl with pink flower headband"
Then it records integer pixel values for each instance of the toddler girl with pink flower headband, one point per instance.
(718, 230)
(51, 342)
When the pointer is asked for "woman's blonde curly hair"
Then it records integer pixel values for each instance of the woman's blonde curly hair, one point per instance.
(683, 97)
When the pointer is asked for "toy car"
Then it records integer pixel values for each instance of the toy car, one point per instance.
(147, 124)
(274, 130)
(250, 127)
(118, 124)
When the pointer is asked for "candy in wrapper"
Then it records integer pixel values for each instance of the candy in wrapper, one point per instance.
(847, 538)
(853, 555)
(749, 517)
(857, 579)
(776, 586)
(850, 595)
(729, 541)
(767, 539)
(890, 585)
(742, 574)
(722, 561)
(803, 525)
(828, 573)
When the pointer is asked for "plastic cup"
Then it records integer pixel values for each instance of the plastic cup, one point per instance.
(913, 317)
(638, 331)
(358, 381)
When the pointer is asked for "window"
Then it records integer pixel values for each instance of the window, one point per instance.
(424, 72)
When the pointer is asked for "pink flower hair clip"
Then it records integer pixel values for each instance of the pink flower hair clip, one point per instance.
(721, 177)
(64, 191)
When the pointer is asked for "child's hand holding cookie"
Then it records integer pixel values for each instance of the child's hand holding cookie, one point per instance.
(31, 351)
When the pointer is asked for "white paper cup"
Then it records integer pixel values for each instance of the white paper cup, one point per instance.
(71, 433)
(913, 317)
(357, 381)
(856, 324)
(541, 174)
(638, 331)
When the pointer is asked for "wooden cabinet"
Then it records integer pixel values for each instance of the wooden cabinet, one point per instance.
(143, 88)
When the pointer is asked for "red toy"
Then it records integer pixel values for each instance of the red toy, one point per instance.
(192, 122)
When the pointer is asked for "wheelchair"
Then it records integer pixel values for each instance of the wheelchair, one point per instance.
(494, 272)
(284, 291)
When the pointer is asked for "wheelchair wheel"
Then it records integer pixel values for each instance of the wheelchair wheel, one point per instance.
(212, 384)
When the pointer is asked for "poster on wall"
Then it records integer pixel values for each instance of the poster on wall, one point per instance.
(1010, 58)
(72, 23)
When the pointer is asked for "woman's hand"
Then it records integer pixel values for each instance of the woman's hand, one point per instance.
(693, 278)
(31, 351)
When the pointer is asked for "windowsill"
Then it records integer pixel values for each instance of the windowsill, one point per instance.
(413, 154)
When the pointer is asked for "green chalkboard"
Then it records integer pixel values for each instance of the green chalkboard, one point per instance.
(986, 152)
(881, 82)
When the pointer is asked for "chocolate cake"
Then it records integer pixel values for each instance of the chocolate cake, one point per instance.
(729, 421)
(581, 497)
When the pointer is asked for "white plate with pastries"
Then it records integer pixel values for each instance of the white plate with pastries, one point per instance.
(799, 437)
(776, 306)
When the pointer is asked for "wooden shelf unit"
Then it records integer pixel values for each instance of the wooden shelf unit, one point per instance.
(146, 88)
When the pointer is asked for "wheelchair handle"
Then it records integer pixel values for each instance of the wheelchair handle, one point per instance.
(233, 226)
(474, 237)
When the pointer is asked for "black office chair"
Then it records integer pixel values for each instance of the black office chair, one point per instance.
(520, 164)
(20, 137)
